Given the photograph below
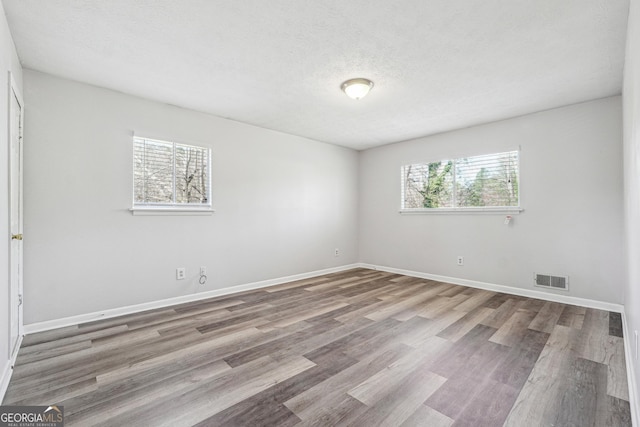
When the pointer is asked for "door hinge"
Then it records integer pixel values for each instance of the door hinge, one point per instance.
(19, 299)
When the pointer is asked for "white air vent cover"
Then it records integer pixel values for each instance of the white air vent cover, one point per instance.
(552, 282)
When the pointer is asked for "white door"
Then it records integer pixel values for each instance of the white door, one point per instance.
(15, 216)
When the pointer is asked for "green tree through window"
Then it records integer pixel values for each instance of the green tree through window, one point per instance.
(490, 180)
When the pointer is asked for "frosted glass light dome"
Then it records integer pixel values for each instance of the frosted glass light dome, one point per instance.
(357, 88)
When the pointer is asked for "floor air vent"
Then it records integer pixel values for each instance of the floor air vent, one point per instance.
(552, 282)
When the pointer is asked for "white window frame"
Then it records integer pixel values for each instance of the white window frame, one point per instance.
(171, 208)
(462, 210)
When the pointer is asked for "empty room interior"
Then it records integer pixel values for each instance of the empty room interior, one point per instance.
(246, 213)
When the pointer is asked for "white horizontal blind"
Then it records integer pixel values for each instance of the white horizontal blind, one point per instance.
(170, 174)
(487, 180)
(490, 180)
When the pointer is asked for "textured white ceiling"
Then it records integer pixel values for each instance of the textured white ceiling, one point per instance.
(437, 65)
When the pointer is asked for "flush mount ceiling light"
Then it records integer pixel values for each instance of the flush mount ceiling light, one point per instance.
(357, 88)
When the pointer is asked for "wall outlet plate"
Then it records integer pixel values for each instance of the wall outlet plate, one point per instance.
(460, 260)
(181, 273)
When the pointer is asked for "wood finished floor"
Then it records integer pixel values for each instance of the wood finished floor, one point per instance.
(361, 348)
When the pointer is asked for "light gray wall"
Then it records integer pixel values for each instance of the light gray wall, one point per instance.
(571, 192)
(283, 203)
(8, 62)
(631, 105)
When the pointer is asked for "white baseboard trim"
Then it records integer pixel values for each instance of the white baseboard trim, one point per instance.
(531, 293)
(7, 372)
(4, 380)
(106, 314)
(130, 309)
(631, 378)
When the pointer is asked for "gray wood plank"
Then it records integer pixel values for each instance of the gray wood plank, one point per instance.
(359, 347)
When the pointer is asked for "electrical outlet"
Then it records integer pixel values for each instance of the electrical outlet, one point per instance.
(336, 252)
(181, 273)
(203, 271)
(460, 260)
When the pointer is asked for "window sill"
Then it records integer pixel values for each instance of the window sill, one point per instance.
(172, 211)
(462, 211)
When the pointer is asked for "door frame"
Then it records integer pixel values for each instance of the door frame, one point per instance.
(13, 90)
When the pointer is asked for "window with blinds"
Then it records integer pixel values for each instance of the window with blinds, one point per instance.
(168, 174)
(486, 181)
